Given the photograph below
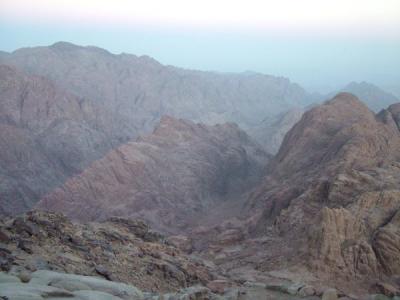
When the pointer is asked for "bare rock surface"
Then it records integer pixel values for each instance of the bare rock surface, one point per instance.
(46, 135)
(327, 210)
(172, 178)
(122, 247)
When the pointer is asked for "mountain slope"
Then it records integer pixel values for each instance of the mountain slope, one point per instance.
(142, 90)
(46, 135)
(329, 202)
(170, 178)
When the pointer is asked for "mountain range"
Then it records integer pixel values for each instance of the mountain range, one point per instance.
(248, 174)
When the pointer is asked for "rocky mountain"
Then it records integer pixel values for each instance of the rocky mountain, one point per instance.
(64, 106)
(271, 131)
(330, 201)
(142, 90)
(373, 96)
(46, 135)
(171, 178)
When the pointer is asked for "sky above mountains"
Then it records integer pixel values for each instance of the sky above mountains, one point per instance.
(319, 44)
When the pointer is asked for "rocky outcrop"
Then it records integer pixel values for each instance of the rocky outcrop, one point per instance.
(116, 250)
(172, 178)
(330, 200)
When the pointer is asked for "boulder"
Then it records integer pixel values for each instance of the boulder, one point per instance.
(95, 295)
(330, 294)
(219, 286)
(31, 291)
(121, 290)
(70, 285)
(6, 278)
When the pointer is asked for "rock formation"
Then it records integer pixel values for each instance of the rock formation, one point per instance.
(116, 249)
(46, 136)
(331, 198)
(171, 178)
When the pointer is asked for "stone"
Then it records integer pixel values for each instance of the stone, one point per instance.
(306, 291)
(101, 270)
(219, 286)
(330, 294)
(70, 285)
(387, 289)
(294, 288)
(96, 295)
(6, 278)
(12, 290)
(4, 237)
(378, 297)
(24, 276)
(121, 290)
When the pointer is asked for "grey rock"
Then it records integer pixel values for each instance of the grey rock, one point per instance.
(70, 285)
(31, 291)
(121, 290)
(6, 278)
(95, 295)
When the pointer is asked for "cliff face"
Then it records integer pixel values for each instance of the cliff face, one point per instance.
(172, 177)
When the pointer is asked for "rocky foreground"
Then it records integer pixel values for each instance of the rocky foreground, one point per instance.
(45, 256)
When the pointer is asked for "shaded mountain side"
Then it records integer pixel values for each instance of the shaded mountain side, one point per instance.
(46, 136)
(171, 178)
(142, 90)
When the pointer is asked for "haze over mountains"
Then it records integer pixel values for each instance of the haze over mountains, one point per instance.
(258, 178)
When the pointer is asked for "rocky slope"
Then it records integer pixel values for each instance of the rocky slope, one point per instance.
(327, 211)
(116, 249)
(46, 136)
(331, 198)
(142, 90)
(171, 178)
(45, 256)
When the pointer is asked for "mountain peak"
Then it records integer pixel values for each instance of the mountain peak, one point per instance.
(64, 46)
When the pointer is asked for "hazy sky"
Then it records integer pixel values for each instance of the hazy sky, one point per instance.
(320, 44)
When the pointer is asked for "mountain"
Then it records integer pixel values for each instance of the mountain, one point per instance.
(47, 135)
(330, 201)
(64, 106)
(374, 97)
(172, 177)
(271, 131)
(142, 90)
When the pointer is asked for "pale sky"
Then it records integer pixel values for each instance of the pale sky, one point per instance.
(314, 42)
